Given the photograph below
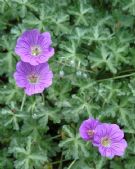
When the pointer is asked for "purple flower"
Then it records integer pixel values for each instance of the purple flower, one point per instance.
(34, 47)
(109, 139)
(34, 79)
(87, 129)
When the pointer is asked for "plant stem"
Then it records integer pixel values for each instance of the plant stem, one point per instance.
(55, 137)
(23, 101)
(71, 164)
(43, 98)
(59, 161)
(100, 80)
(60, 165)
(100, 164)
(116, 77)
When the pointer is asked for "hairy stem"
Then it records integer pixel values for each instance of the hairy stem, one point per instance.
(23, 101)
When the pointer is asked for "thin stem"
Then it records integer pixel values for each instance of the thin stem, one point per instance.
(59, 161)
(100, 164)
(100, 80)
(116, 77)
(34, 104)
(60, 165)
(23, 101)
(88, 143)
(71, 164)
(55, 137)
(43, 98)
(128, 70)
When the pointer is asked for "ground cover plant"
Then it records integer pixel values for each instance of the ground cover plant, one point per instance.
(91, 68)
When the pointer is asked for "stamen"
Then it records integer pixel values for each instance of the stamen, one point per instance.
(90, 133)
(35, 50)
(106, 142)
(33, 78)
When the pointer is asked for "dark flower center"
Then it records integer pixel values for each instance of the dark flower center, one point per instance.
(35, 50)
(33, 78)
(90, 133)
(106, 142)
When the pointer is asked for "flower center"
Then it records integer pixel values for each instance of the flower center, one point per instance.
(35, 50)
(106, 142)
(33, 78)
(90, 133)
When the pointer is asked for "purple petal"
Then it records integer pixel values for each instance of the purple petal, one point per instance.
(42, 71)
(33, 89)
(30, 39)
(46, 55)
(116, 133)
(87, 125)
(102, 130)
(106, 152)
(25, 41)
(119, 147)
(50, 52)
(20, 81)
(47, 38)
(30, 36)
(97, 140)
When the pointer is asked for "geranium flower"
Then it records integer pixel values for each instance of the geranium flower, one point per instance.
(34, 79)
(109, 140)
(34, 47)
(87, 129)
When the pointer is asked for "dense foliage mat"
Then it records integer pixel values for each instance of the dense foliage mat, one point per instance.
(94, 75)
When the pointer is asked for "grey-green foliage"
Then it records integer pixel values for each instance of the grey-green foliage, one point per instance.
(93, 66)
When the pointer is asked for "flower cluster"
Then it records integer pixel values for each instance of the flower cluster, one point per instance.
(109, 138)
(33, 72)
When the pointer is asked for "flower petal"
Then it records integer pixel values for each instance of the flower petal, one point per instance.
(119, 147)
(25, 70)
(30, 39)
(106, 152)
(116, 133)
